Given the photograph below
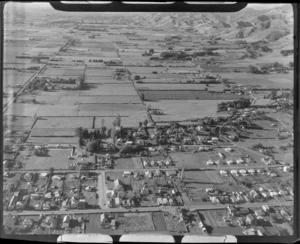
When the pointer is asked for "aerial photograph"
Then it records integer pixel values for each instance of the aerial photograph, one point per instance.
(148, 122)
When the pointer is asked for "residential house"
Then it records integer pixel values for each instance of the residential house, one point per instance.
(265, 208)
(250, 219)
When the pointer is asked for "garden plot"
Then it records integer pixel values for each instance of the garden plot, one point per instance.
(109, 89)
(64, 122)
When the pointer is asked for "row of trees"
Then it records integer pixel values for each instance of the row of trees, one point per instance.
(238, 104)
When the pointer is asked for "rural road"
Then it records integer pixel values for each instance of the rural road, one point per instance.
(28, 81)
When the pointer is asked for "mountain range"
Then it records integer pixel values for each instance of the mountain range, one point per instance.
(251, 24)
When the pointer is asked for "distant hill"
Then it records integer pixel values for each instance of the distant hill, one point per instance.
(272, 24)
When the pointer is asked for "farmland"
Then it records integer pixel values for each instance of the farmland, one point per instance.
(175, 123)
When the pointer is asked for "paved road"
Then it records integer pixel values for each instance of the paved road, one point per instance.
(102, 190)
(148, 209)
(152, 169)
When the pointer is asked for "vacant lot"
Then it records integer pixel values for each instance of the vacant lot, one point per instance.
(196, 177)
(128, 163)
(190, 161)
(138, 222)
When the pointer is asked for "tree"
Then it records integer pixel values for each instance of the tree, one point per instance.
(10, 187)
(108, 132)
(118, 120)
(85, 133)
(129, 134)
(252, 69)
(91, 146)
(273, 94)
(145, 123)
(51, 170)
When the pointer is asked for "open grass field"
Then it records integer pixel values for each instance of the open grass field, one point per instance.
(64, 122)
(38, 132)
(272, 80)
(154, 95)
(78, 71)
(104, 80)
(111, 109)
(13, 77)
(111, 89)
(58, 159)
(20, 123)
(52, 140)
(180, 110)
(22, 109)
(61, 110)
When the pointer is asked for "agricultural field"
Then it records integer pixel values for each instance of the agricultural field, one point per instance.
(64, 122)
(153, 153)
